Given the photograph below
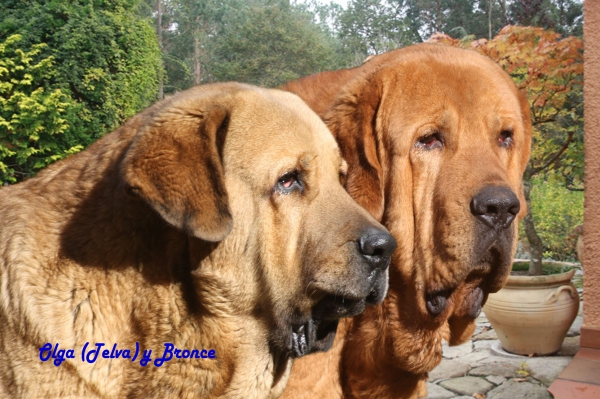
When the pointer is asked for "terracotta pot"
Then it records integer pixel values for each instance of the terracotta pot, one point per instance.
(532, 314)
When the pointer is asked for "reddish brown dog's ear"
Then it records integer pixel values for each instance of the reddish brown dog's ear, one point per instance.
(525, 154)
(174, 164)
(526, 114)
(354, 126)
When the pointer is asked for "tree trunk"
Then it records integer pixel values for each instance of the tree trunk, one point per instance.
(197, 67)
(490, 20)
(438, 17)
(200, 28)
(535, 242)
(159, 32)
(504, 13)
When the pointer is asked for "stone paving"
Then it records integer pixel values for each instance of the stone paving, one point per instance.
(481, 369)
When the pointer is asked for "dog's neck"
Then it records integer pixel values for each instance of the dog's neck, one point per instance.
(246, 366)
(222, 297)
(376, 330)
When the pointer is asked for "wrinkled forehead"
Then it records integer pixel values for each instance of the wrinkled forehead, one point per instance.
(441, 91)
(270, 127)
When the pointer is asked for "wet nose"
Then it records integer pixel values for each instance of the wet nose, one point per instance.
(377, 246)
(495, 206)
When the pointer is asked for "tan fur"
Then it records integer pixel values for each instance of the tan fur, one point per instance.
(378, 112)
(170, 229)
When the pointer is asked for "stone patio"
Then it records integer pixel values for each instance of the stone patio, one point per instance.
(481, 369)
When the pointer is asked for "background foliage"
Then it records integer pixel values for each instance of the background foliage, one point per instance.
(269, 44)
(34, 127)
(557, 212)
(101, 56)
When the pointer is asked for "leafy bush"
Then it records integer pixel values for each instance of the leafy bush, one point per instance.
(79, 70)
(34, 121)
(557, 212)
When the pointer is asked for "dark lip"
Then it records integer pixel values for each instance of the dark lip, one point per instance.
(312, 336)
(470, 305)
(488, 271)
(474, 302)
(379, 281)
(496, 264)
(334, 307)
(492, 255)
(318, 331)
(436, 302)
(490, 267)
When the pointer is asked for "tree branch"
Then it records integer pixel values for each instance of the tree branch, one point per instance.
(574, 189)
(553, 119)
(556, 156)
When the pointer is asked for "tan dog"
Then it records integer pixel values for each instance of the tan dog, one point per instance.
(211, 229)
(436, 140)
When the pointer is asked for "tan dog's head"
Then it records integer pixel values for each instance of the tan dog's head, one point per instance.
(437, 139)
(253, 177)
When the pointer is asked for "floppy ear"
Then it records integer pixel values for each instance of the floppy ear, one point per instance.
(526, 115)
(353, 123)
(174, 165)
(525, 154)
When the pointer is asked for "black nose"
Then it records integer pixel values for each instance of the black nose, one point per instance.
(495, 206)
(377, 246)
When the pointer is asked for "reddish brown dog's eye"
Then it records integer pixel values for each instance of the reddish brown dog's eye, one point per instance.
(430, 142)
(506, 138)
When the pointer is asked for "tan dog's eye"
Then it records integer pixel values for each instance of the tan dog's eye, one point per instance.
(430, 142)
(289, 182)
(506, 138)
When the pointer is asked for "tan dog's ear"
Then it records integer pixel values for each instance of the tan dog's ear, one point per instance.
(354, 126)
(174, 164)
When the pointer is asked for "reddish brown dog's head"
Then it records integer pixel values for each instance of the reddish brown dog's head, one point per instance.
(441, 140)
(436, 139)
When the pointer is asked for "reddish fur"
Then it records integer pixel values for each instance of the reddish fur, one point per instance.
(388, 351)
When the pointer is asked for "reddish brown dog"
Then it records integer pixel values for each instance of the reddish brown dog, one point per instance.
(436, 139)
